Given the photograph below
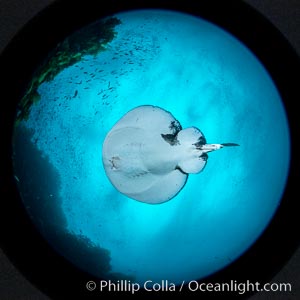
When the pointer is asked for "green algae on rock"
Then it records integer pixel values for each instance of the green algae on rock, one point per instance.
(89, 40)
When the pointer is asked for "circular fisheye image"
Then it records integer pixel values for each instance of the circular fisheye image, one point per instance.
(151, 144)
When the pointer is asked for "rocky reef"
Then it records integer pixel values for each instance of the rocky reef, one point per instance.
(39, 185)
(89, 40)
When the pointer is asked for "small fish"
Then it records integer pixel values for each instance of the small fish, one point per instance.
(75, 94)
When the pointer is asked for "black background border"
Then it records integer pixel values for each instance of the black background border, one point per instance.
(268, 254)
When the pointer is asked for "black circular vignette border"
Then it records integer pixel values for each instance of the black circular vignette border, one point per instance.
(25, 247)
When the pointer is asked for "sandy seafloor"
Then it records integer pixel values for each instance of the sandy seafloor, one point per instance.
(206, 79)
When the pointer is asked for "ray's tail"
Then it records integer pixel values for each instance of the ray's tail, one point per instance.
(229, 144)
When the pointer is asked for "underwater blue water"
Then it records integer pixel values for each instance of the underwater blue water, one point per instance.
(205, 78)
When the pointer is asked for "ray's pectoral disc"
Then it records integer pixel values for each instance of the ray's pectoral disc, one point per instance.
(147, 156)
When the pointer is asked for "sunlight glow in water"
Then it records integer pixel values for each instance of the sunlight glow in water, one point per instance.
(205, 78)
